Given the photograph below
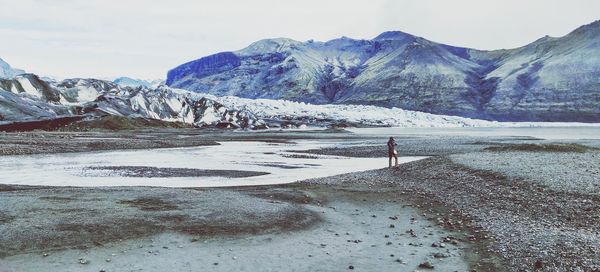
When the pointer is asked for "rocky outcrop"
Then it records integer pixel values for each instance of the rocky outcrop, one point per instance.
(551, 79)
(27, 97)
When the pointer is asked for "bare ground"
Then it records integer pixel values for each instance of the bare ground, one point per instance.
(511, 221)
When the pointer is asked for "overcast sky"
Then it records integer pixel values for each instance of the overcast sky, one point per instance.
(144, 39)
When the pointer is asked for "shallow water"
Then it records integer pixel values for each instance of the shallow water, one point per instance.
(591, 131)
(69, 169)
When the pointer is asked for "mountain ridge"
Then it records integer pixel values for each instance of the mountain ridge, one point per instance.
(550, 79)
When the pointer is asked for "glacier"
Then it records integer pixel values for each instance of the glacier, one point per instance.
(28, 97)
(6, 71)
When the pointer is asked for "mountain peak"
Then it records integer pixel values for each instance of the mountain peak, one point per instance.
(269, 45)
(593, 27)
(392, 35)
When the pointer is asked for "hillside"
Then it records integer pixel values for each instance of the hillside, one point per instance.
(551, 79)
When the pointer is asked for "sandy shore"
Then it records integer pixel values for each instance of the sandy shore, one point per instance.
(465, 208)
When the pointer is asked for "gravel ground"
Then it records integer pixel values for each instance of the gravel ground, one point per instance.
(528, 225)
(354, 230)
(520, 211)
(163, 172)
(37, 142)
(419, 146)
(568, 172)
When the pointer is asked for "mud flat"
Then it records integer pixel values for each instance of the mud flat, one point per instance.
(291, 229)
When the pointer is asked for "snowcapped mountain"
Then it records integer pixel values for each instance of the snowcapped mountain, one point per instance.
(134, 82)
(551, 79)
(27, 97)
(6, 71)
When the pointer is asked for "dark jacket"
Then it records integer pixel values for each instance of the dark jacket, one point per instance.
(391, 145)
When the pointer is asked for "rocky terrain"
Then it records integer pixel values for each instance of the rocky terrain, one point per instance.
(538, 209)
(551, 79)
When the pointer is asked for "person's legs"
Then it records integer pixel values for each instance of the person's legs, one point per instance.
(390, 156)
(395, 158)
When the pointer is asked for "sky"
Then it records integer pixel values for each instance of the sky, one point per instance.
(144, 39)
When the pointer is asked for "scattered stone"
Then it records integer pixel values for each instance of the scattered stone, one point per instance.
(392, 226)
(426, 265)
(351, 267)
(83, 261)
(440, 255)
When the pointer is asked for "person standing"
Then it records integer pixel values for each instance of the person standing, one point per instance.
(391, 144)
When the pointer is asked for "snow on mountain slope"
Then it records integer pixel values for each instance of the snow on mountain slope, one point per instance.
(6, 71)
(552, 79)
(27, 97)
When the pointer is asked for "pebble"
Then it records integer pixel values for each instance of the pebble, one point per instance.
(440, 255)
(426, 265)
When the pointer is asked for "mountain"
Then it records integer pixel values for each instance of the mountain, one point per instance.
(6, 71)
(27, 98)
(551, 79)
(134, 82)
(30, 101)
